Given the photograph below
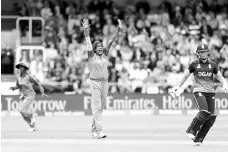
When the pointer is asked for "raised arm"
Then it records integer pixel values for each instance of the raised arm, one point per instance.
(85, 24)
(113, 37)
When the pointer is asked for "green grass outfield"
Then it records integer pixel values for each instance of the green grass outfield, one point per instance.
(160, 133)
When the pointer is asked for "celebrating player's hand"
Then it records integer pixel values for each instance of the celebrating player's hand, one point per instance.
(85, 23)
(120, 24)
(175, 92)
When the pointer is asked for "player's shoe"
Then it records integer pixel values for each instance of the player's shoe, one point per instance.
(102, 135)
(198, 143)
(99, 135)
(32, 129)
(33, 120)
(191, 136)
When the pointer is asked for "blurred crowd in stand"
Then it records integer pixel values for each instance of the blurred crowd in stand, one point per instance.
(149, 56)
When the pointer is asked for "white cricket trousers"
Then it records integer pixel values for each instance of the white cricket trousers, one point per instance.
(25, 110)
(99, 92)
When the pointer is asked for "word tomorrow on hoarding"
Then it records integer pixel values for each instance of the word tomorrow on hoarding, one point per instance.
(40, 105)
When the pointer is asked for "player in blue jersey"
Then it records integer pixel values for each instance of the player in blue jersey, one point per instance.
(203, 71)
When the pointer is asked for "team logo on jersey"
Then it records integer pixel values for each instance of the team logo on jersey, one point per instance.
(198, 66)
(204, 74)
(209, 66)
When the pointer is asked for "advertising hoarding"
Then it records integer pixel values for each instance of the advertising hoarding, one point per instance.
(58, 104)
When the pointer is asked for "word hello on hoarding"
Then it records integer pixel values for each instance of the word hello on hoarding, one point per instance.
(179, 103)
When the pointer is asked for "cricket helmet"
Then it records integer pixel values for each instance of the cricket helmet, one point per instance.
(201, 48)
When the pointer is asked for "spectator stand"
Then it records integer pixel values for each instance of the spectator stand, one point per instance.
(158, 43)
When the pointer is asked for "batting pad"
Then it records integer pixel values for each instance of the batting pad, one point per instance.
(205, 128)
(198, 121)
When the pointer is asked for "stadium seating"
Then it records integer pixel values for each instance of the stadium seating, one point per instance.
(157, 44)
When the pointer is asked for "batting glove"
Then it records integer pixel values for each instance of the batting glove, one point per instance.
(175, 92)
(225, 88)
